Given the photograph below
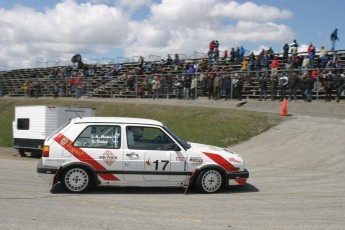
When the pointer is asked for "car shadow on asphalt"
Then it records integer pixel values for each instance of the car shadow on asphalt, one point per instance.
(247, 188)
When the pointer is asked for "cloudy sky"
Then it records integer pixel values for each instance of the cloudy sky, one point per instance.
(46, 31)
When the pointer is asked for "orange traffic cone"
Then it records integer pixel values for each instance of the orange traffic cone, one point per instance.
(284, 108)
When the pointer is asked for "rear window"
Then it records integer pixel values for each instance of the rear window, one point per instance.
(23, 124)
(100, 136)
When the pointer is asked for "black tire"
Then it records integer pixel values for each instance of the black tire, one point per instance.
(76, 180)
(21, 152)
(210, 181)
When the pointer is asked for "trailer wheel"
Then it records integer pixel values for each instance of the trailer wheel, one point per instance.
(209, 181)
(76, 180)
(21, 152)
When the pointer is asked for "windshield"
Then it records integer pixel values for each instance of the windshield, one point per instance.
(184, 144)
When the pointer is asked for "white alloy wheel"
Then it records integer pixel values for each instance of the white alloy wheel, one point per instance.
(210, 181)
(76, 180)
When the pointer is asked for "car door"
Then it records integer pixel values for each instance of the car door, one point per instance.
(152, 156)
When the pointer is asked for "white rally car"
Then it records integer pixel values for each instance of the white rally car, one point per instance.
(134, 152)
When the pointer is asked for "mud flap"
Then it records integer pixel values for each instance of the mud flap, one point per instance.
(190, 180)
(56, 178)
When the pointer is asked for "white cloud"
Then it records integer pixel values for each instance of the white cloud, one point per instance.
(248, 11)
(173, 26)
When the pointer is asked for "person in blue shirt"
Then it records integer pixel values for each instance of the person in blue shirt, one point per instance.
(334, 38)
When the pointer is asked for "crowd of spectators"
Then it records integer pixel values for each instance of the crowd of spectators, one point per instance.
(287, 74)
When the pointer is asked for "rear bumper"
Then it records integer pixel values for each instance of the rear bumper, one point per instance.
(47, 173)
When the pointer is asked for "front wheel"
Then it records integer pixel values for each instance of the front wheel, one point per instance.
(209, 181)
(76, 180)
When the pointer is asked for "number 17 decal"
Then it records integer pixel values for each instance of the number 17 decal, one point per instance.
(164, 166)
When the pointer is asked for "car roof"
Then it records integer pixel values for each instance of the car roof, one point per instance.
(121, 120)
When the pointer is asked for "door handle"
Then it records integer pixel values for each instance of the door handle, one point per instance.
(132, 154)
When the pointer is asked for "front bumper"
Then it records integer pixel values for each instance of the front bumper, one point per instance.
(238, 178)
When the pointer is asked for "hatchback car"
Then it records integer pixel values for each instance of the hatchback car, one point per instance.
(115, 151)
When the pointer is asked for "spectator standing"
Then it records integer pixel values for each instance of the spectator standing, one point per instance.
(71, 84)
(309, 85)
(302, 86)
(186, 86)
(234, 87)
(232, 56)
(338, 85)
(257, 67)
(26, 88)
(244, 66)
(274, 66)
(227, 87)
(225, 55)
(263, 88)
(292, 84)
(311, 54)
(294, 48)
(286, 48)
(169, 81)
(274, 87)
(193, 86)
(323, 52)
(212, 45)
(240, 84)
(242, 52)
(283, 79)
(179, 86)
(334, 38)
(216, 87)
(266, 64)
(155, 88)
(270, 53)
(327, 83)
(305, 64)
(141, 62)
(203, 83)
(323, 57)
(56, 90)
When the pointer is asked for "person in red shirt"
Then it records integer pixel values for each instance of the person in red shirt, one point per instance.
(71, 84)
(311, 54)
(212, 45)
(311, 48)
(314, 73)
(225, 54)
(274, 66)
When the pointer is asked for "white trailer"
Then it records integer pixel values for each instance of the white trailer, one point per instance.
(33, 124)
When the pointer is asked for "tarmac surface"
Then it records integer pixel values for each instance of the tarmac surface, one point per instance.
(296, 182)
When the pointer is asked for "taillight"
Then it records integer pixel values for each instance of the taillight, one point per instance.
(45, 151)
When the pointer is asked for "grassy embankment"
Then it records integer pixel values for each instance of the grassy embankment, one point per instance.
(219, 127)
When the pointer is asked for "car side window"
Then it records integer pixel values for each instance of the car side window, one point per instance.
(100, 136)
(148, 138)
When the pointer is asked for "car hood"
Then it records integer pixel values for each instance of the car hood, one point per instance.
(227, 154)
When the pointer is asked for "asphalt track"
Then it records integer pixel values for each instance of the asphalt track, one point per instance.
(296, 182)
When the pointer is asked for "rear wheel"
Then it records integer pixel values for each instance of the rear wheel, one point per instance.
(209, 181)
(76, 180)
